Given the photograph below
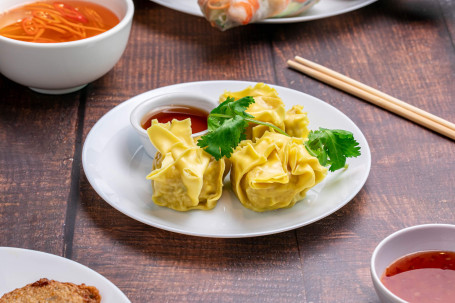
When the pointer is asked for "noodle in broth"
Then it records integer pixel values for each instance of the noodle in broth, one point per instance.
(51, 21)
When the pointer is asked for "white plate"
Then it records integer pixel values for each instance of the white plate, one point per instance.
(19, 267)
(322, 9)
(116, 164)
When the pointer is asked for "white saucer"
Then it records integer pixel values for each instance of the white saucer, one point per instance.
(116, 164)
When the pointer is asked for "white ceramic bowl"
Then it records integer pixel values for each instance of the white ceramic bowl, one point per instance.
(178, 98)
(404, 242)
(58, 68)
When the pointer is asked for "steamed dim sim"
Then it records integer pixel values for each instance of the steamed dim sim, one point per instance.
(52, 21)
(270, 169)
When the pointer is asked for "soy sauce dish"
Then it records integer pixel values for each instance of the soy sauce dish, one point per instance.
(170, 106)
(60, 67)
(416, 264)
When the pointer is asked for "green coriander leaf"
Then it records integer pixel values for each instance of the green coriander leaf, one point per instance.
(227, 124)
(332, 147)
(240, 106)
(225, 138)
(227, 110)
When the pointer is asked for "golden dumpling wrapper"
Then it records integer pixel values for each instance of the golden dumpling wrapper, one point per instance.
(296, 122)
(184, 176)
(268, 107)
(274, 172)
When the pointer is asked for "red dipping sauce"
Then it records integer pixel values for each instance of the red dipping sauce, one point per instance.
(179, 112)
(422, 277)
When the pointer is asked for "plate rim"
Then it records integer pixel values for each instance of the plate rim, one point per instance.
(366, 152)
(295, 19)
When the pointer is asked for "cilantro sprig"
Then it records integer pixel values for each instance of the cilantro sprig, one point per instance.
(227, 126)
(332, 147)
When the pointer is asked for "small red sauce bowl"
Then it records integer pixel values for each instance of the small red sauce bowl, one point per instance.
(181, 99)
(420, 238)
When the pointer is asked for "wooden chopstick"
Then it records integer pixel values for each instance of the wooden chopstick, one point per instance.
(374, 96)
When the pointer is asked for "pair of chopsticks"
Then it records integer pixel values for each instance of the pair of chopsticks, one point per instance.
(374, 96)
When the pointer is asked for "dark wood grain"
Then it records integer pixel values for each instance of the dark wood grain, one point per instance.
(37, 149)
(404, 48)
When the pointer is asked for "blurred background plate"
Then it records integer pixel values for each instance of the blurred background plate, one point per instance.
(323, 9)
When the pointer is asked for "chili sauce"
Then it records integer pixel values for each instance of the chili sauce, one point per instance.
(423, 277)
(179, 112)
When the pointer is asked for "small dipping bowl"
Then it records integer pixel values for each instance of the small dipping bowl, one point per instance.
(427, 237)
(142, 111)
(65, 67)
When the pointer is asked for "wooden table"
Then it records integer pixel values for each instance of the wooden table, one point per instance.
(405, 48)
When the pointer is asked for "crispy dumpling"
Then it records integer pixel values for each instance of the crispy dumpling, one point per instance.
(184, 176)
(274, 172)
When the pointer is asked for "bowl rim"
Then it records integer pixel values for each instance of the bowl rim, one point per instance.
(140, 109)
(376, 278)
(122, 24)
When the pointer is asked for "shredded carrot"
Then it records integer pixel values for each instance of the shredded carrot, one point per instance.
(39, 34)
(95, 17)
(62, 21)
(70, 30)
(11, 29)
(70, 12)
(46, 15)
(55, 28)
(17, 37)
(40, 4)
